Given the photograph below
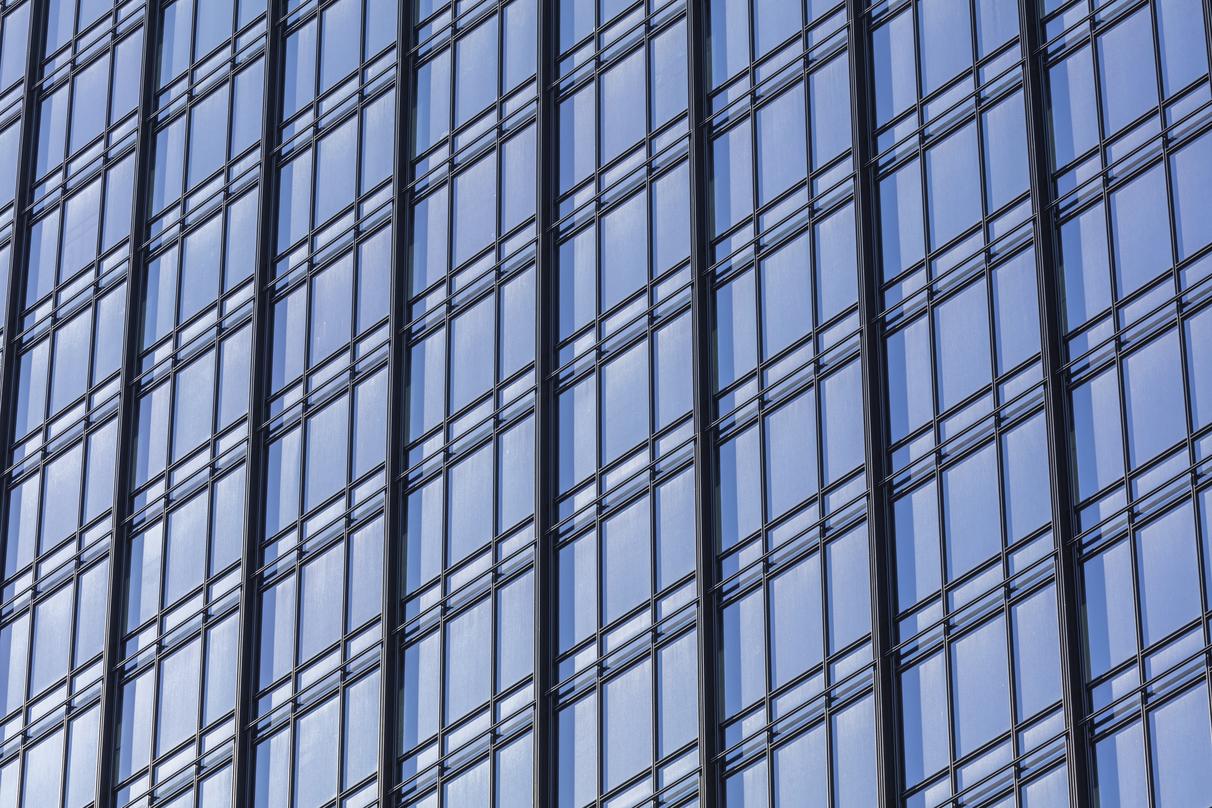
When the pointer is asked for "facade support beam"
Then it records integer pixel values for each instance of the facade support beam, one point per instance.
(127, 411)
(260, 361)
(878, 527)
(1051, 296)
(703, 401)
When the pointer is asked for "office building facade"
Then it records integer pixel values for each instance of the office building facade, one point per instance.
(615, 403)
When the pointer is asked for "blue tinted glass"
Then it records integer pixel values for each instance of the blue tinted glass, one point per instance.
(917, 545)
(1199, 367)
(1184, 47)
(795, 621)
(521, 51)
(829, 92)
(1181, 747)
(627, 715)
(743, 632)
(1086, 265)
(970, 512)
(730, 38)
(1153, 398)
(842, 435)
(962, 345)
(848, 587)
(1168, 570)
(1108, 608)
(577, 574)
(1036, 661)
(740, 489)
(981, 693)
(836, 262)
(625, 402)
(854, 754)
(577, 135)
(800, 770)
(678, 705)
(668, 92)
(578, 280)
(732, 177)
(1191, 176)
(953, 181)
(1096, 433)
(476, 71)
(475, 205)
(432, 101)
(786, 296)
(1026, 478)
(1074, 116)
(623, 105)
(946, 41)
(924, 718)
(471, 367)
(1005, 145)
(1127, 75)
(736, 332)
(578, 753)
(782, 151)
(774, 21)
(901, 237)
(790, 455)
(1016, 311)
(624, 250)
(996, 23)
(894, 67)
(470, 507)
(1120, 767)
(1140, 230)
(626, 560)
(910, 397)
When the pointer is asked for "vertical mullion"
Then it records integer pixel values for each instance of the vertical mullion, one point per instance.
(19, 252)
(546, 450)
(397, 408)
(127, 409)
(704, 470)
(1055, 398)
(874, 397)
(254, 515)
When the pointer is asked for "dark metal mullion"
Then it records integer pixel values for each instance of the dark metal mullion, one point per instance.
(19, 252)
(1056, 401)
(397, 411)
(18, 258)
(545, 758)
(877, 441)
(127, 409)
(246, 690)
(703, 380)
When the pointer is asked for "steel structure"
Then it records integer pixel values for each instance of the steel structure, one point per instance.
(722, 403)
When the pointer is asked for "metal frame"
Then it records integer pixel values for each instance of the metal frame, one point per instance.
(1056, 402)
(259, 360)
(871, 337)
(883, 626)
(545, 747)
(703, 404)
(127, 410)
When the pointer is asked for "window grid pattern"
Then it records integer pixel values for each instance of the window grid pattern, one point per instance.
(624, 533)
(797, 708)
(180, 630)
(315, 708)
(1129, 89)
(66, 346)
(469, 459)
(560, 337)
